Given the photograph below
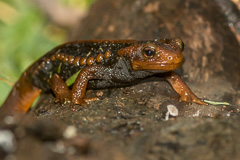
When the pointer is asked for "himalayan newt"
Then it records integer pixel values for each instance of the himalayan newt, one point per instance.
(102, 64)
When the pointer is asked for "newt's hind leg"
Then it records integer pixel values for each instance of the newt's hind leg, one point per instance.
(60, 89)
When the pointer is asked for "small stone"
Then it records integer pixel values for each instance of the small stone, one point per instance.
(9, 120)
(7, 141)
(70, 132)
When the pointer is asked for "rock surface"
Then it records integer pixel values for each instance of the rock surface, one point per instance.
(130, 122)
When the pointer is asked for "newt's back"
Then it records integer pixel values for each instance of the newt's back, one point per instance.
(99, 64)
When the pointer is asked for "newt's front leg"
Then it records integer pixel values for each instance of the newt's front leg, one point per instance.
(182, 89)
(80, 85)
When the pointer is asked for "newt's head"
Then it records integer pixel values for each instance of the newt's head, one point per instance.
(163, 54)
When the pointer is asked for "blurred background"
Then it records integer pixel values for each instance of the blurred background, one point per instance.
(28, 29)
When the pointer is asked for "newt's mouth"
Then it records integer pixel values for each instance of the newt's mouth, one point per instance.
(140, 65)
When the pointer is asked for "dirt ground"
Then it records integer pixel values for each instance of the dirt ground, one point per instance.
(133, 122)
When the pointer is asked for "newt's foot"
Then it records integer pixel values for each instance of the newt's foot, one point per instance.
(88, 100)
(83, 101)
(190, 97)
(62, 99)
(60, 89)
(182, 89)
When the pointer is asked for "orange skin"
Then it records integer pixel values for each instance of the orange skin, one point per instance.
(102, 63)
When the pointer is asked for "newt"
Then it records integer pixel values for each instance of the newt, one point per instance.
(101, 64)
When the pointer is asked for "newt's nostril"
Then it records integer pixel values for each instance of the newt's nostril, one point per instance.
(170, 58)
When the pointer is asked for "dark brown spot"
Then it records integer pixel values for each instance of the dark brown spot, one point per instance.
(41, 65)
(76, 61)
(62, 56)
(58, 56)
(107, 54)
(99, 58)
(35, 71)
(90, 61)
(70, 59)
(65, 58)
(53, 58)
(83, 61)
(47, 60)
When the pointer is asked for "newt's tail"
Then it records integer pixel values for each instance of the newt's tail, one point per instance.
(21, 97)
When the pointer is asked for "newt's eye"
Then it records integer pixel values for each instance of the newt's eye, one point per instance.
(180, 43)
(149, 52)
